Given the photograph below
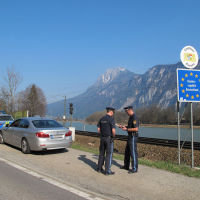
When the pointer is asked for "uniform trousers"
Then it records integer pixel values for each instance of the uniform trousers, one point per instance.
(131, 151)
(105, 146)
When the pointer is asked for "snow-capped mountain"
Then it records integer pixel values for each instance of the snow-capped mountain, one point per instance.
(120, 87)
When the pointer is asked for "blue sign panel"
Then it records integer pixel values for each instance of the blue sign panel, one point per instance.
(188, 85)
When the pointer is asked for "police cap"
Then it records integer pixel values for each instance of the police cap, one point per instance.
(110, 108)
(128, 108)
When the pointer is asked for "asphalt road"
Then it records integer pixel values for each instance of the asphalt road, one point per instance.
(18, 185)
(77, 169)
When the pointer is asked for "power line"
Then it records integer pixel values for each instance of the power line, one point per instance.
(137, 89)
(122, 82)
(115, 83)
(71, 86)
(95, 81)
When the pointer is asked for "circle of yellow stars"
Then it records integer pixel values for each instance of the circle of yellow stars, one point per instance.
(181, 85)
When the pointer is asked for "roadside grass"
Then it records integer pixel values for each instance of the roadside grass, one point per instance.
(164, 165)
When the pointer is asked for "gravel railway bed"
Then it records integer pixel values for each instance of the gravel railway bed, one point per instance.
(145, 140)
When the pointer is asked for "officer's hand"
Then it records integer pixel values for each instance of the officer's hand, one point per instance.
(120, 126)
(124, 128)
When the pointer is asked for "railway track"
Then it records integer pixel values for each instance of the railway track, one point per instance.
(145, 140)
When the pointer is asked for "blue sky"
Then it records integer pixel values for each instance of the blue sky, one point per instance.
(63, 46)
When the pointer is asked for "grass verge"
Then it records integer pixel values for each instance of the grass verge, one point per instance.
(169, 166)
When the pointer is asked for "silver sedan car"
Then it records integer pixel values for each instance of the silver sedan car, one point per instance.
(36, 134)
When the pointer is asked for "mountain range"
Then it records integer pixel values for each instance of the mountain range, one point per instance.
(120, 87)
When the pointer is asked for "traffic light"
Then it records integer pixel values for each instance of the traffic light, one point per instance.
(71, 108)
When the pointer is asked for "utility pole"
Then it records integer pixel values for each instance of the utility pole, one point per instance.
(64, 116)
(65, 108)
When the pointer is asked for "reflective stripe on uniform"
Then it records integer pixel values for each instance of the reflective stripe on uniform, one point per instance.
(134, 161)
(111, 155)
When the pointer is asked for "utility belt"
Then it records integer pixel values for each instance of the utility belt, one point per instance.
(133, 134)
(106, 136)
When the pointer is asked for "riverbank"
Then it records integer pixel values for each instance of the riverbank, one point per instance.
(168, 126)
(185, 126)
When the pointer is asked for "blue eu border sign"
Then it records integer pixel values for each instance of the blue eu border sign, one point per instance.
(188, 85)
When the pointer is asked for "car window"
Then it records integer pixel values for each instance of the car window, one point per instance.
(23, 123)
(46, 124)
(6, 118)
(15, 123)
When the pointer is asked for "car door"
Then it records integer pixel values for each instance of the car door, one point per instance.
(11, 131)
(20, 130)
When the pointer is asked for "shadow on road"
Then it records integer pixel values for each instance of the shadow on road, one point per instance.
(113, 161)
(87, 161)
(49, 152)
(93, 164)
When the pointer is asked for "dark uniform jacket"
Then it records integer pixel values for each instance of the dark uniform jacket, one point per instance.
(133, 122)
(106, 124)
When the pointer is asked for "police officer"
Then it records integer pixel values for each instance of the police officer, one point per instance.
(131, 147)
(106, 127)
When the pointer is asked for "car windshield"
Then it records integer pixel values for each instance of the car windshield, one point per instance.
(6, 118)
(46, 124)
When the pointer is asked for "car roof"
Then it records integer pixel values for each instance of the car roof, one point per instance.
(5, 115)
(35, 118)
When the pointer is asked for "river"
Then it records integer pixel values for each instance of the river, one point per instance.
(149, 132)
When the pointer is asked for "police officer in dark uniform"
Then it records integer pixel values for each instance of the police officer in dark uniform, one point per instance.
(106, 127)
(131, 147)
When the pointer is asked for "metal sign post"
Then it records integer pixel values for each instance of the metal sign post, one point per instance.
(179, 143)
(192, 142)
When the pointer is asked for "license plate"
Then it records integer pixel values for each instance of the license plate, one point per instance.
(56, 136)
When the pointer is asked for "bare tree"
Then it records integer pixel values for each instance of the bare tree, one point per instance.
(142, 114)
(2, 104)
(10, 83)
(120, 117)
(196, 113)
(34, 100)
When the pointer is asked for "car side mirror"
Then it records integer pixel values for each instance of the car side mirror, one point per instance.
(7, 125)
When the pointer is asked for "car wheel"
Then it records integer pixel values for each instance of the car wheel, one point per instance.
(25, 146)
(1, 138)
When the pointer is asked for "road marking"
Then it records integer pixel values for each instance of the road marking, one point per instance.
(53, 182)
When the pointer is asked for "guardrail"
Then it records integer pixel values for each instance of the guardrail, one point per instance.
(145, 140)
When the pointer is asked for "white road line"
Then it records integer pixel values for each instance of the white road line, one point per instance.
(53, 182)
